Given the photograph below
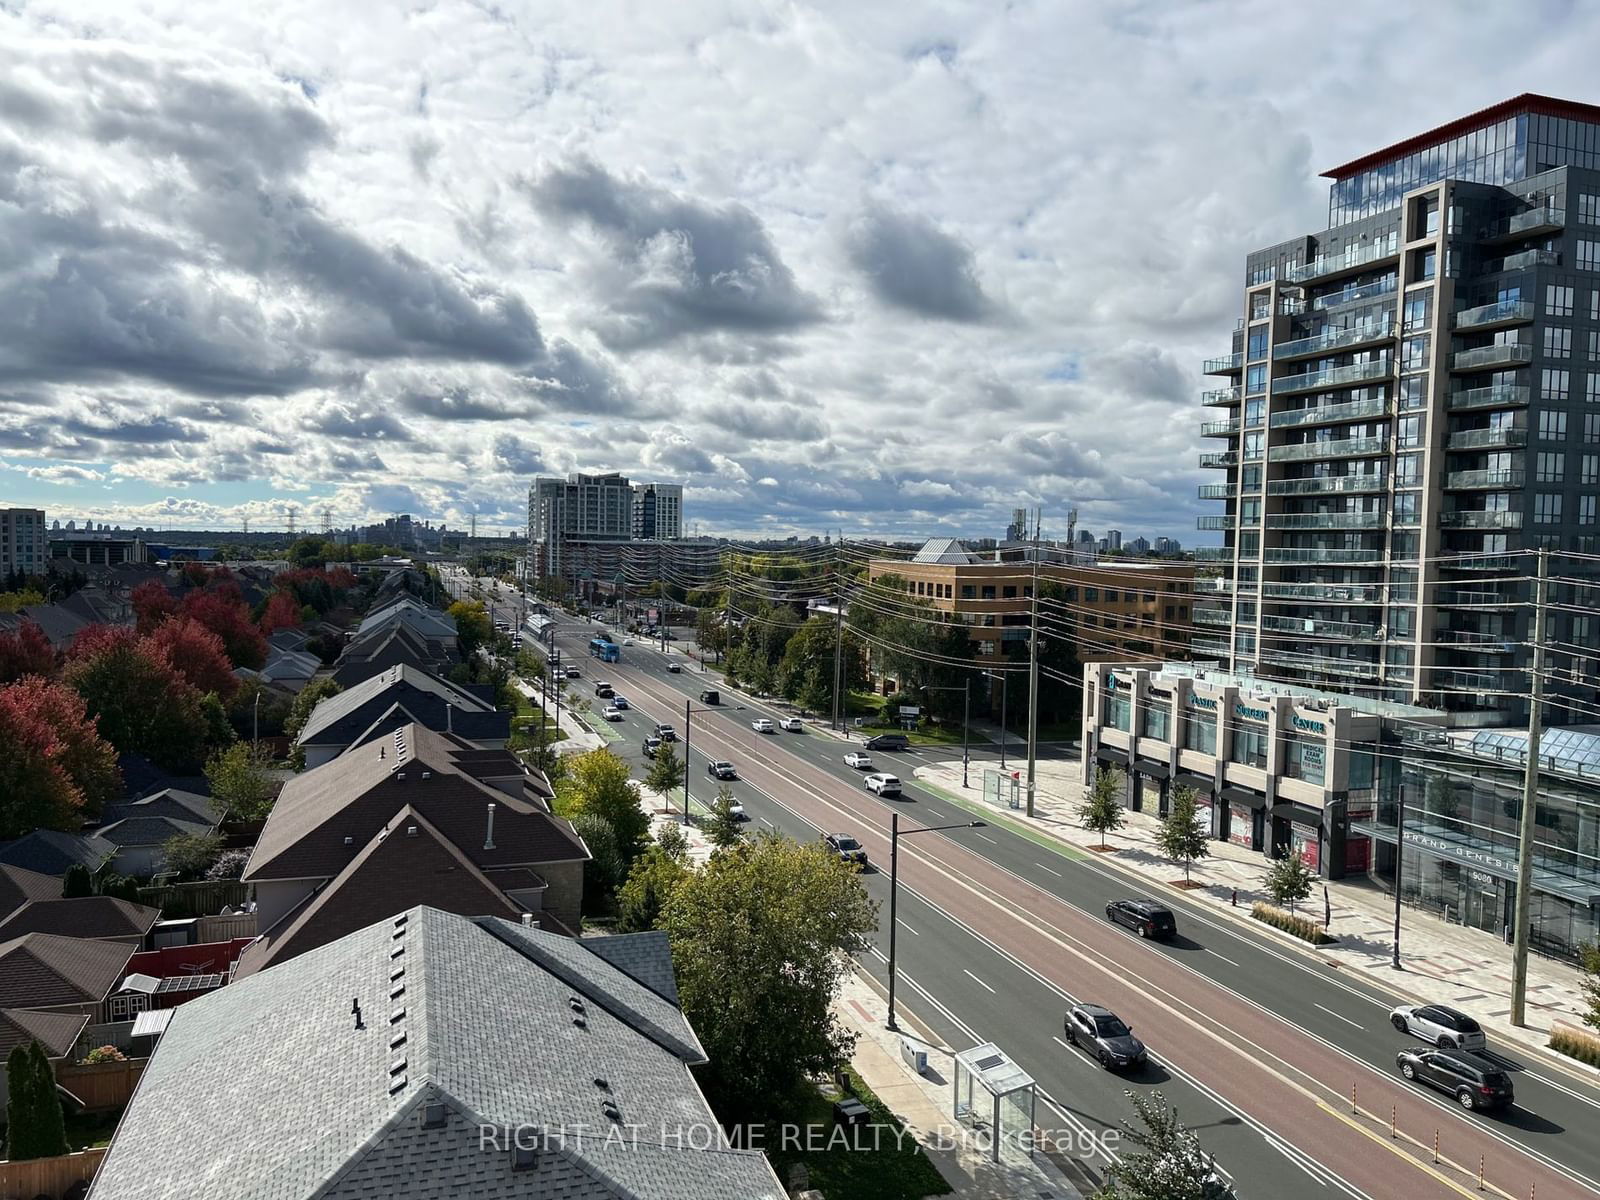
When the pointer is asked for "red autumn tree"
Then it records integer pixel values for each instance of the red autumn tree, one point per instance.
(152, 604)
(25, 652)
(283, 612)
(94, 639)
(222, 610)
(35, 790)
(142, 704)
(87, 758)
(196, 654)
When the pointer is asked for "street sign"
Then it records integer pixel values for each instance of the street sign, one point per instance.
(909, 710)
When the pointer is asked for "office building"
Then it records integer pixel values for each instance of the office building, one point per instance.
(24, 543)
(1412, 397)
(657, 511)
(98, 550)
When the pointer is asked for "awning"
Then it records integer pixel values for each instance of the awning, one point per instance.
(1203, 784)
(1111, 754)
(1235, 795)
(152, 1022)
(1150, 768)
(1300, 814)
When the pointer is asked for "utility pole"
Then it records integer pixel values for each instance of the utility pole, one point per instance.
(838, 633)
(1530, 800)
(1033, 669)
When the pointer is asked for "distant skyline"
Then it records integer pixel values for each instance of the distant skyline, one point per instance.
(892, 270)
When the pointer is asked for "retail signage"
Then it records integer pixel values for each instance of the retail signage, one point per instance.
(1241, 709)
(1307, 725)
(1240, 825)
(1313, 757)
(1205, 703)
(1455, 850)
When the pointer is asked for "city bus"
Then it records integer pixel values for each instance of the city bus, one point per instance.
(605, 650)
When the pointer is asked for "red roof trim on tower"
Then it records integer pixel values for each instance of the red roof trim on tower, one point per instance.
(1528, 102)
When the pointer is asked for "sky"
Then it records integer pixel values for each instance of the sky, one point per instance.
(893, 269)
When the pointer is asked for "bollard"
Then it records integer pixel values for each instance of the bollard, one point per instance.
(1435, 1145)
(1480, 1172)
(1394, 1110)
(1353, 1109)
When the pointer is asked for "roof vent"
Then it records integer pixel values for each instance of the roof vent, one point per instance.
(527, 919)
(603, 1084)
(433, 1116)
(349, 841)
(398, 1066)
(397, 1015)
(411, 831)
(397, 1085)
(400, 775)
(397, 1040)
(427, 774)
(397, 991)
(580, 1022)
(575, 1004)
(524, 1158)
(611, 1111)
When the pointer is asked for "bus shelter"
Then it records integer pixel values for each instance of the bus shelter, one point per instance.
(993, 1095)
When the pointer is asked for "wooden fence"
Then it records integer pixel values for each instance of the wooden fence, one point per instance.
(52, 1177)
(201, 898)
(226, 929)
(101, 1086)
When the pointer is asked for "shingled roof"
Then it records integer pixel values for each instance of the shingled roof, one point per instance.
(271, 1087)
(45, 970)
(57, 1032)
(81, 917)
(420, 695)
(51, 852)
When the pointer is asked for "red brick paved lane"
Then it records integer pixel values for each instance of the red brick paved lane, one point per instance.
(1285, 1081)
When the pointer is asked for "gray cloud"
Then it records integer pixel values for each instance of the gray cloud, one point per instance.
(767, 422)
(914, 265)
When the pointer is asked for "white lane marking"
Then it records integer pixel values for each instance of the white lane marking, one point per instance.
(1059, 1042)
(1223, 957)
(906, 927)
(1546, 1080)
(977, 981)
(1339, 1016)
(937, 816)
(1052, 870)
(990, 840)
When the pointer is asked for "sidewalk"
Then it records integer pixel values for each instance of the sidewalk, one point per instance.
(925, 1103)
(1442, 963)
(579, 736)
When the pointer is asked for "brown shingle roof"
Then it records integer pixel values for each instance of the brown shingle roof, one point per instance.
(18, 886)
(44, 970)
(81, 917)
(57, 1032)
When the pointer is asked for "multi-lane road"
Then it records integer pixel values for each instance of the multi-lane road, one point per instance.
(1258, 1044)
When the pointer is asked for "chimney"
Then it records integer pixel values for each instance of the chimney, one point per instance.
(488, 837)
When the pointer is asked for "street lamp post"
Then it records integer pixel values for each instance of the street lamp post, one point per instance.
(966, 712)
(688, 713)
(894, 885)
(1002, 678)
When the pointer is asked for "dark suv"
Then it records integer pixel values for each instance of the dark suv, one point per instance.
(1473, 1080)
(1100, 1031)
(888, 741)
(1145, 917)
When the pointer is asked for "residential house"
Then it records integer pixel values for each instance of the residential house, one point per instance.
(140, 838)
(434, 1055)
(399, 696)
(421, 618)
(57, 1032)
(51, 852)
(388, 646)
(484, 803)
(287, 670)
(32, 903)
(51, 973)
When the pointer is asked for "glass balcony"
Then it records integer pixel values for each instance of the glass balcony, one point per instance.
(1211, 614)
(1347, 260)
(1220, 396)
(1228, 364)
(1323, 593)
(1531, 258)
(1203, 647)
(1333, 448)
(1315, 627)
(1215, 585)
(1503, 395)
(1484, 358)
(1461, 481)
(1544, 219)
(1220, 428)
(1327, 414)
(1351, 668)
(1477, 560)
(1477, 519)
(1327, 485)
(1216, 491)
(1310, 381)
(1494, 316)
(1336, 339)
(1466, 598)
(1486, 439)
(1338, 520)
(1214, 554)
(1475, 681)
(1467, 641)
(1220, 458)
(1300, 554)
(1359, 294)
(1217, 521)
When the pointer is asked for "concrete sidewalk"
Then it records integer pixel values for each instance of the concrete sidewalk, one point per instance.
(1441, 963)
(579, 737)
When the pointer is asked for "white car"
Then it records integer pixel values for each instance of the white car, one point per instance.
(883, 785)
(627, 641)
(762, 725)
(791, 724)
(858, 760)
(1446, 1028)
(674, 669)
(612, 713)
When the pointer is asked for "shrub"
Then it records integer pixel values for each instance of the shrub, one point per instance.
(1304, 928)
(1585, 1047)
(230, 864)
(103, 1054)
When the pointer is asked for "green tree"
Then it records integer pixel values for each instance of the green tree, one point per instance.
(1170, 1164)
(77, 882)
(1289, 880)
(190, 853)
(759, 938)
(1101, 811)
(710, 632)
(141, 704)
(1181, 837)
(666, 771)
(721, 828)
(473, 627)
(605, 870)
(305, 701)
(673, 842)
(122, 887)
(597, 782)
(241, 785)
(655, 874)
(35, 1125)
(1589, 982)
(805, 674)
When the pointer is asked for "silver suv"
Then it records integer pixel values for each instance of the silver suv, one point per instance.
(1446, 1028)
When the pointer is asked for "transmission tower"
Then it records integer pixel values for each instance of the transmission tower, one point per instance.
(288, 514)
(247, 527)
(327, 519)
(472, 528)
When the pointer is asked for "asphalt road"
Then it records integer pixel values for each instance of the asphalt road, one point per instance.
(1258, 1044)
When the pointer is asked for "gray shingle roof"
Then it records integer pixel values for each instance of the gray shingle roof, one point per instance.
(51, 852)
(168, 802)
(151, 831)
(375, 694)
(266, 1089)
(44, 970)
(81, 917)
(645, 956)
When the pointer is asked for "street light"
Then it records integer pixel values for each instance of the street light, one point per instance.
(894, 884)
(1002, 678)
(688, 712)
(966, 708)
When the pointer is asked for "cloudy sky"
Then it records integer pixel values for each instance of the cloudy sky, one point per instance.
(894, 268)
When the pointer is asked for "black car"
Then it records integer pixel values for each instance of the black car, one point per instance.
(1145, 917)
(710, 697)
(846, 847)
(887, 741)
(1098, 1030)
(604, 691)
(1473, 1080)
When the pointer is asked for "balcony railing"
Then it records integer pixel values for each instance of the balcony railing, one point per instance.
(1226, 365)
(1210, 614)
(1327, 414)
(1467, 598)
(1467, 641)
(1208, 648)
(1338, 520)
(1483, 358)
(1213, 554)
(1220, 428)
(1359, 294)
(1544, 219)
(1316, 627)
(1300, 554)
(1216, 491)
(1486, 439)
(1220, 458)
(1478, 519)
(1331, 377)
(1215, 585)
(1531, 258)
(1503, 395)
(1488, 316)
(1216, 521)
(1461, 481)
(1332, 448)
(1323, 593)
(1336, 339)
(1352, 668)
(1475, 560)
(1328, 485)
(1220, 396)
(1349, 259)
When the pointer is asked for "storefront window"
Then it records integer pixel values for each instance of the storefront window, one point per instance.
(1249, 746)
(1200, 731)
(1305, 758)
(1119, 712)
(1157, 719)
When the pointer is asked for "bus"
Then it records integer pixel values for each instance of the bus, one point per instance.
(605, 650)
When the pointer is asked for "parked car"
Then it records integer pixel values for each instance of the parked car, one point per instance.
(1145, 917)
(620, 702)
(791, 725)
(1099, 1031)
(888, 741)
(666, 733)
(884, 785)
(710, 697)
(721, 770)
(1473, 1080)
(668, 635)
(763, 725)
(604, 691)
(1438, 1025)
(612, 713)
(846, 847)
(652, 744)
(674, 669)
(858, 760)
